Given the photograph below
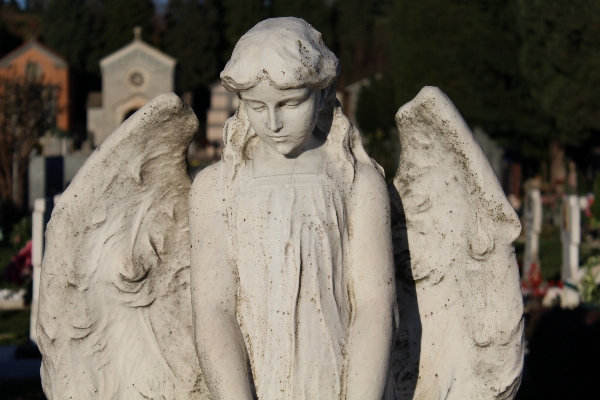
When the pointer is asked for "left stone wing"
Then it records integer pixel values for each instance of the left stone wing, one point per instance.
(460, 302)
(115, 319)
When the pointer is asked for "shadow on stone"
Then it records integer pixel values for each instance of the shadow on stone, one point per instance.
(407, 349)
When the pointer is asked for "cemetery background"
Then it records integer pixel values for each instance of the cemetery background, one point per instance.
(523, 74)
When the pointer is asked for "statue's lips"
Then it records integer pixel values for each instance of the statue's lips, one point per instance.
(279, 138)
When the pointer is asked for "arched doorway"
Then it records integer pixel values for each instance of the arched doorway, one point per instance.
(130, 113)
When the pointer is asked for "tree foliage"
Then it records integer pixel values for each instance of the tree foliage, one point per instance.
(238, 17)
(67, 28)
(375, 113)
(362, 38)
(194, 38)
(28, 109)
(120, 19)
(471, 51)
(560, 59)
(8, 41)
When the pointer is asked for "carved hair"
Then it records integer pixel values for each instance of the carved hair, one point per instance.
(288, 52)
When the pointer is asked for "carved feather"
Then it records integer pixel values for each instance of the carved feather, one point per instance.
(115, 308)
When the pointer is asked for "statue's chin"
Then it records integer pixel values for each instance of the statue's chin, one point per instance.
(286, 149)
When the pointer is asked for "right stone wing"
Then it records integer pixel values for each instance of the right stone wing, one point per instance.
(461, 308)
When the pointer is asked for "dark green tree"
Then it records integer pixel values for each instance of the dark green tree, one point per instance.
(375, 116)
(238, 17)
(315, 12)
(35, 6)
(73, 28)
(67, 30)
(194, 38)
(120, 19)
(12, 5)
(362, 38)
(560, 58)
(471, 51)
(8, 41)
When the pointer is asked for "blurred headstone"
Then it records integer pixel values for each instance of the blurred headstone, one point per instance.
(49, 176)
(558, 172)
(42, 209)
(491, 149)
(223, 105)
(570, 230)
(533, 228)
(572, 178)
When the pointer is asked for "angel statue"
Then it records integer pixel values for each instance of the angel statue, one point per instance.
(287, 270)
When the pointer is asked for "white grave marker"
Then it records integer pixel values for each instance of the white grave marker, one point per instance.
(570, 230)
(41, 214)
(533, 228)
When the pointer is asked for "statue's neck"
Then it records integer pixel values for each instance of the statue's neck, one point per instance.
(266, 161)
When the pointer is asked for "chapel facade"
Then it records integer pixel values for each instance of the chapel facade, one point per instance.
(131, 77)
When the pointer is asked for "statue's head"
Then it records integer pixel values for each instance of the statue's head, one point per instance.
(285, 76)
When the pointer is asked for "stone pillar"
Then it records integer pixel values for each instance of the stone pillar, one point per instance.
(42, 208)
(533, 228)
(570, 229)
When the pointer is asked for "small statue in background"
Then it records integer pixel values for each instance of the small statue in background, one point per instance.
(298, 253)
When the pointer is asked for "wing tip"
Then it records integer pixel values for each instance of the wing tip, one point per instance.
(428, 94)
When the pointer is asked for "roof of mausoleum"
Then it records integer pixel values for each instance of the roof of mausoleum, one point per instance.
(58, 60)
(138, 44)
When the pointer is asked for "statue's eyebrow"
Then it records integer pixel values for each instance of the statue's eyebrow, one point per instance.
(253, 101)
(299, 97)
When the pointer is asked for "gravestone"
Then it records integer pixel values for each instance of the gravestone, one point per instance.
(570, 233)
(533, 228)
(42, 209)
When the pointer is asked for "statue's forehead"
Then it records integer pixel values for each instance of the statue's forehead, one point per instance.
(265, 91)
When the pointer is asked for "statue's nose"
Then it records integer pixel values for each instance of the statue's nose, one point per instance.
(275, 123)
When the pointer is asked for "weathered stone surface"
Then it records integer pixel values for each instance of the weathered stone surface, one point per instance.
(115, 309)
(461, 310)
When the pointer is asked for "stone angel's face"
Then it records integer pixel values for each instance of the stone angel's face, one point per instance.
(284, 119)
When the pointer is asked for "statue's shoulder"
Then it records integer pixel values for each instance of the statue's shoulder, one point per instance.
(368, 198)
(369, 184)
(207, 184)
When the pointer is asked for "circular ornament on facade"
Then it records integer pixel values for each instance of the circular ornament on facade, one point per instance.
(136, 78)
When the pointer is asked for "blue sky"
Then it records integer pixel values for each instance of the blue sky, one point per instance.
(159, 3)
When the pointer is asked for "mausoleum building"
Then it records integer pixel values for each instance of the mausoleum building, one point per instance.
(130, 78)
(33, 60)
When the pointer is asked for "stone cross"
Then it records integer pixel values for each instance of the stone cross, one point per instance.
(570, 232)
(533, 228)
(137, 33)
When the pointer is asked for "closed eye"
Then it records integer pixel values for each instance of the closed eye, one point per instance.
(256, 105)
(291, 104)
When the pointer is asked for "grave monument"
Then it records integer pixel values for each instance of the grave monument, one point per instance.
(570, 234)
(533, 229)
(287, 270)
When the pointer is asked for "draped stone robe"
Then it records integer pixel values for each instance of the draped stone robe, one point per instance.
(289, 239)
